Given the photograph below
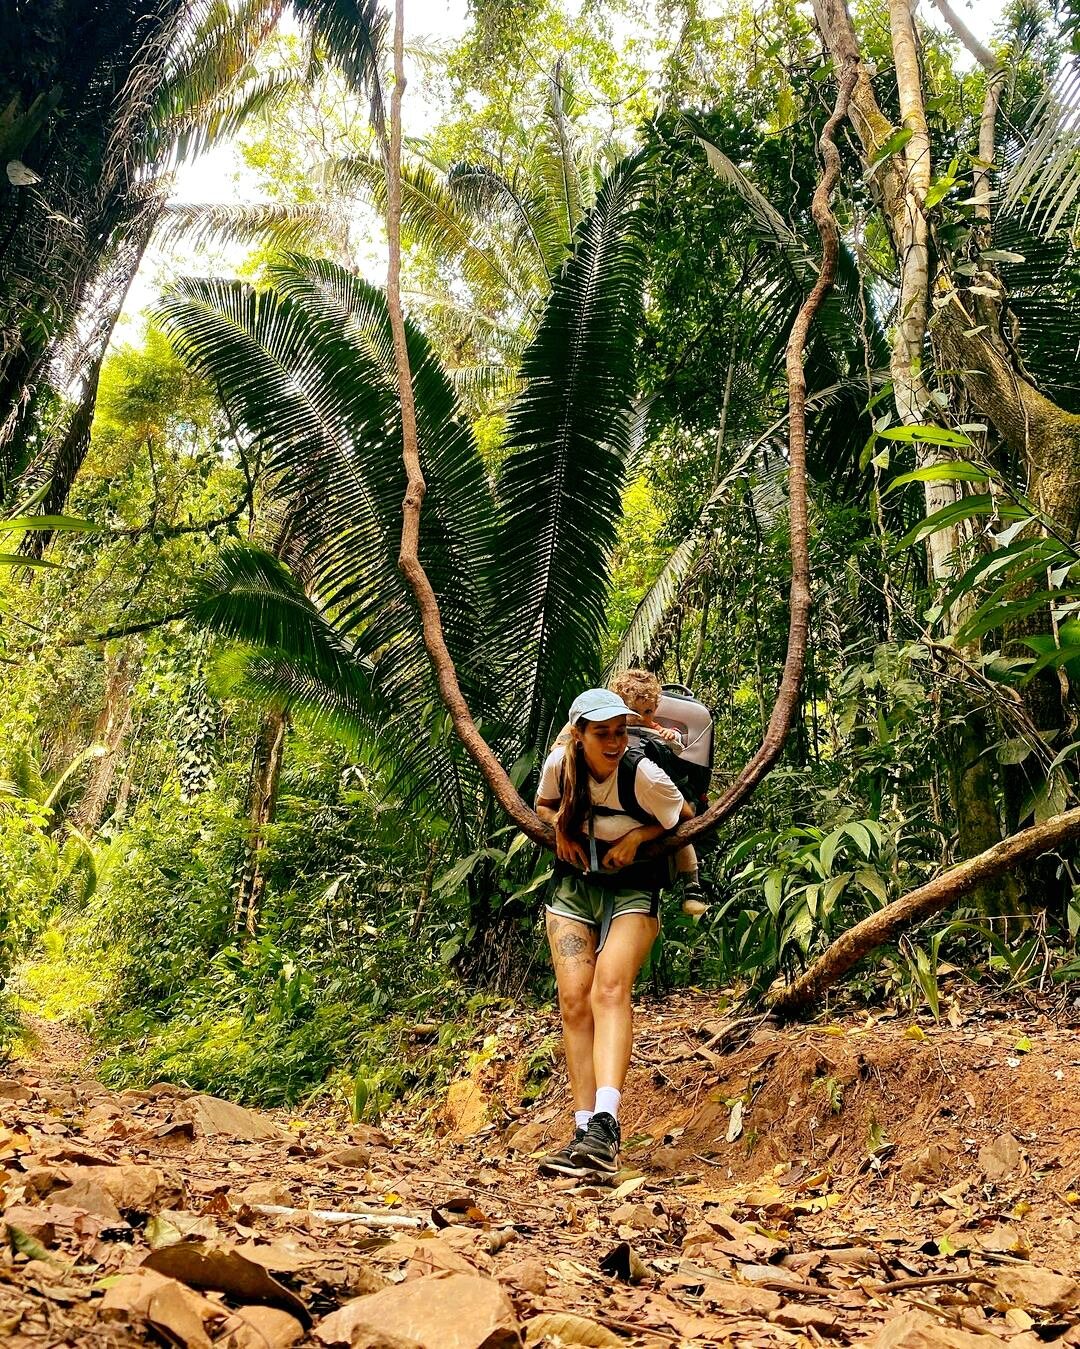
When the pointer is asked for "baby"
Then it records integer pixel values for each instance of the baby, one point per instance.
(640, 691)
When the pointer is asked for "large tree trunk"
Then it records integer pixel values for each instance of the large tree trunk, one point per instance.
(965, 331)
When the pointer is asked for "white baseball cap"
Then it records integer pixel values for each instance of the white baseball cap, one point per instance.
(597, 705)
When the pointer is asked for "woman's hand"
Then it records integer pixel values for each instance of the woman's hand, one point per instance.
(623, 851)
(569, 850)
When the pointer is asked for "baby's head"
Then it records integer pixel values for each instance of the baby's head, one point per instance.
(638, 689)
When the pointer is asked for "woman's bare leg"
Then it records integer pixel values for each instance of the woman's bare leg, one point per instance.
(629, 942)
(573, 954)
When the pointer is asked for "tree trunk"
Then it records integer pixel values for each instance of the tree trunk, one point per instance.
(110, 732)
(267, 760)
(972, 785)
(87, 98)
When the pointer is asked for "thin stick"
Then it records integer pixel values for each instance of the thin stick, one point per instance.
(339, 1216)
(929, 1281)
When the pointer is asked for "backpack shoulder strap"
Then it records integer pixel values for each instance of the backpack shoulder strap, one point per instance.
(628, 767)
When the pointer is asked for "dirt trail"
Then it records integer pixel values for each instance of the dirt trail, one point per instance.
(866, 1182)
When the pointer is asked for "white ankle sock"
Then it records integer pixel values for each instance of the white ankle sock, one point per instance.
(607, 1100)
(582, 1117)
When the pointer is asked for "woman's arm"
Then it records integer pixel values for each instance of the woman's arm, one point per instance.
(623, 851)
(567, 849)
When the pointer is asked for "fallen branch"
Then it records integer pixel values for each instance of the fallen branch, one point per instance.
(325, 1215)
(940, 893)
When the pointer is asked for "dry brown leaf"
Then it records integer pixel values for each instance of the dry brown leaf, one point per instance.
(212, 1116)
(174, 1311)
(916, 1330)
(576, 1332)
(259, 1328)
(1030, 1286)
(227, 1270)
(1000, 1159)
(88, 1196)
(129, 1186)
(460, 1311)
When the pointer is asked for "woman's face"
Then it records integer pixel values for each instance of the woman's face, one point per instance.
(604, 743)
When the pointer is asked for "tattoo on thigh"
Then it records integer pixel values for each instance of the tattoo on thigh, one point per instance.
(571, 944)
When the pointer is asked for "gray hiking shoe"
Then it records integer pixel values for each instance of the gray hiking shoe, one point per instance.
(561, 1163)
(599, 1149)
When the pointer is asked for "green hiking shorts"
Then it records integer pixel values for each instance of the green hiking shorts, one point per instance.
(575, 897)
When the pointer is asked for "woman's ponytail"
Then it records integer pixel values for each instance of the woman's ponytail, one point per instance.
(576, 799)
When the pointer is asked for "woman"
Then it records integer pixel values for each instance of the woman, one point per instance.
(602, 915)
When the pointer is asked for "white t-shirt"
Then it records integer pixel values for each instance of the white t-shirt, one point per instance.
(655, 791)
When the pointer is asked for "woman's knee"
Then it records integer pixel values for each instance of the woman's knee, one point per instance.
(608, 992)
(575, 1005)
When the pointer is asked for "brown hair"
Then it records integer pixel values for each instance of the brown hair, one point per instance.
(576, 798)
(636, 687)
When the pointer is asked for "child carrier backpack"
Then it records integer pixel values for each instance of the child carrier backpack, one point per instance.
(691, 771)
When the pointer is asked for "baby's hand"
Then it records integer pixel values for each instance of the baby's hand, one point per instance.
(666, 733)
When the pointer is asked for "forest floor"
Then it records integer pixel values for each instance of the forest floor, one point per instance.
(872, 1180)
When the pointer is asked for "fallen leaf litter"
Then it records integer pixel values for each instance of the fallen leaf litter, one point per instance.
(852, 1183)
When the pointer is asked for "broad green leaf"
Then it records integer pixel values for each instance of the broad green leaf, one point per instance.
(17, 560)
(958, 470)
(829, 846)
(832, 892)
(924, 434)
(938, 190)
(1013, 751)
(1001, 255)
(773, 886)
(58, 523)
(964, 509)
(872, 882)
(892, 146)
(987, 617)
(861, 835)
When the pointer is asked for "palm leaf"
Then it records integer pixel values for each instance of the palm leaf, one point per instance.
(306, 371)
(249, 596)
(352, 33)
(433, 217)
(288, 226)
(569, 436)
(1044, 179)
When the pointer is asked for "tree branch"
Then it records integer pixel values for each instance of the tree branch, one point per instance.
(942, 892)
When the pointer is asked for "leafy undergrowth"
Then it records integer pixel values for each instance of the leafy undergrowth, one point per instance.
(781, 1187)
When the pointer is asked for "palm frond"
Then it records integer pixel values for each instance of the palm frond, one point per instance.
(433, 217)
(306, 370)
(1044, 179)
(847, 332)
(654, 606)
(202, 223)
(353, 33)
(485, 193)
(249, 596)
(569, 437)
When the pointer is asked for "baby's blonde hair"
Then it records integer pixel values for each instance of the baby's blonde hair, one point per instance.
(637, 689)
